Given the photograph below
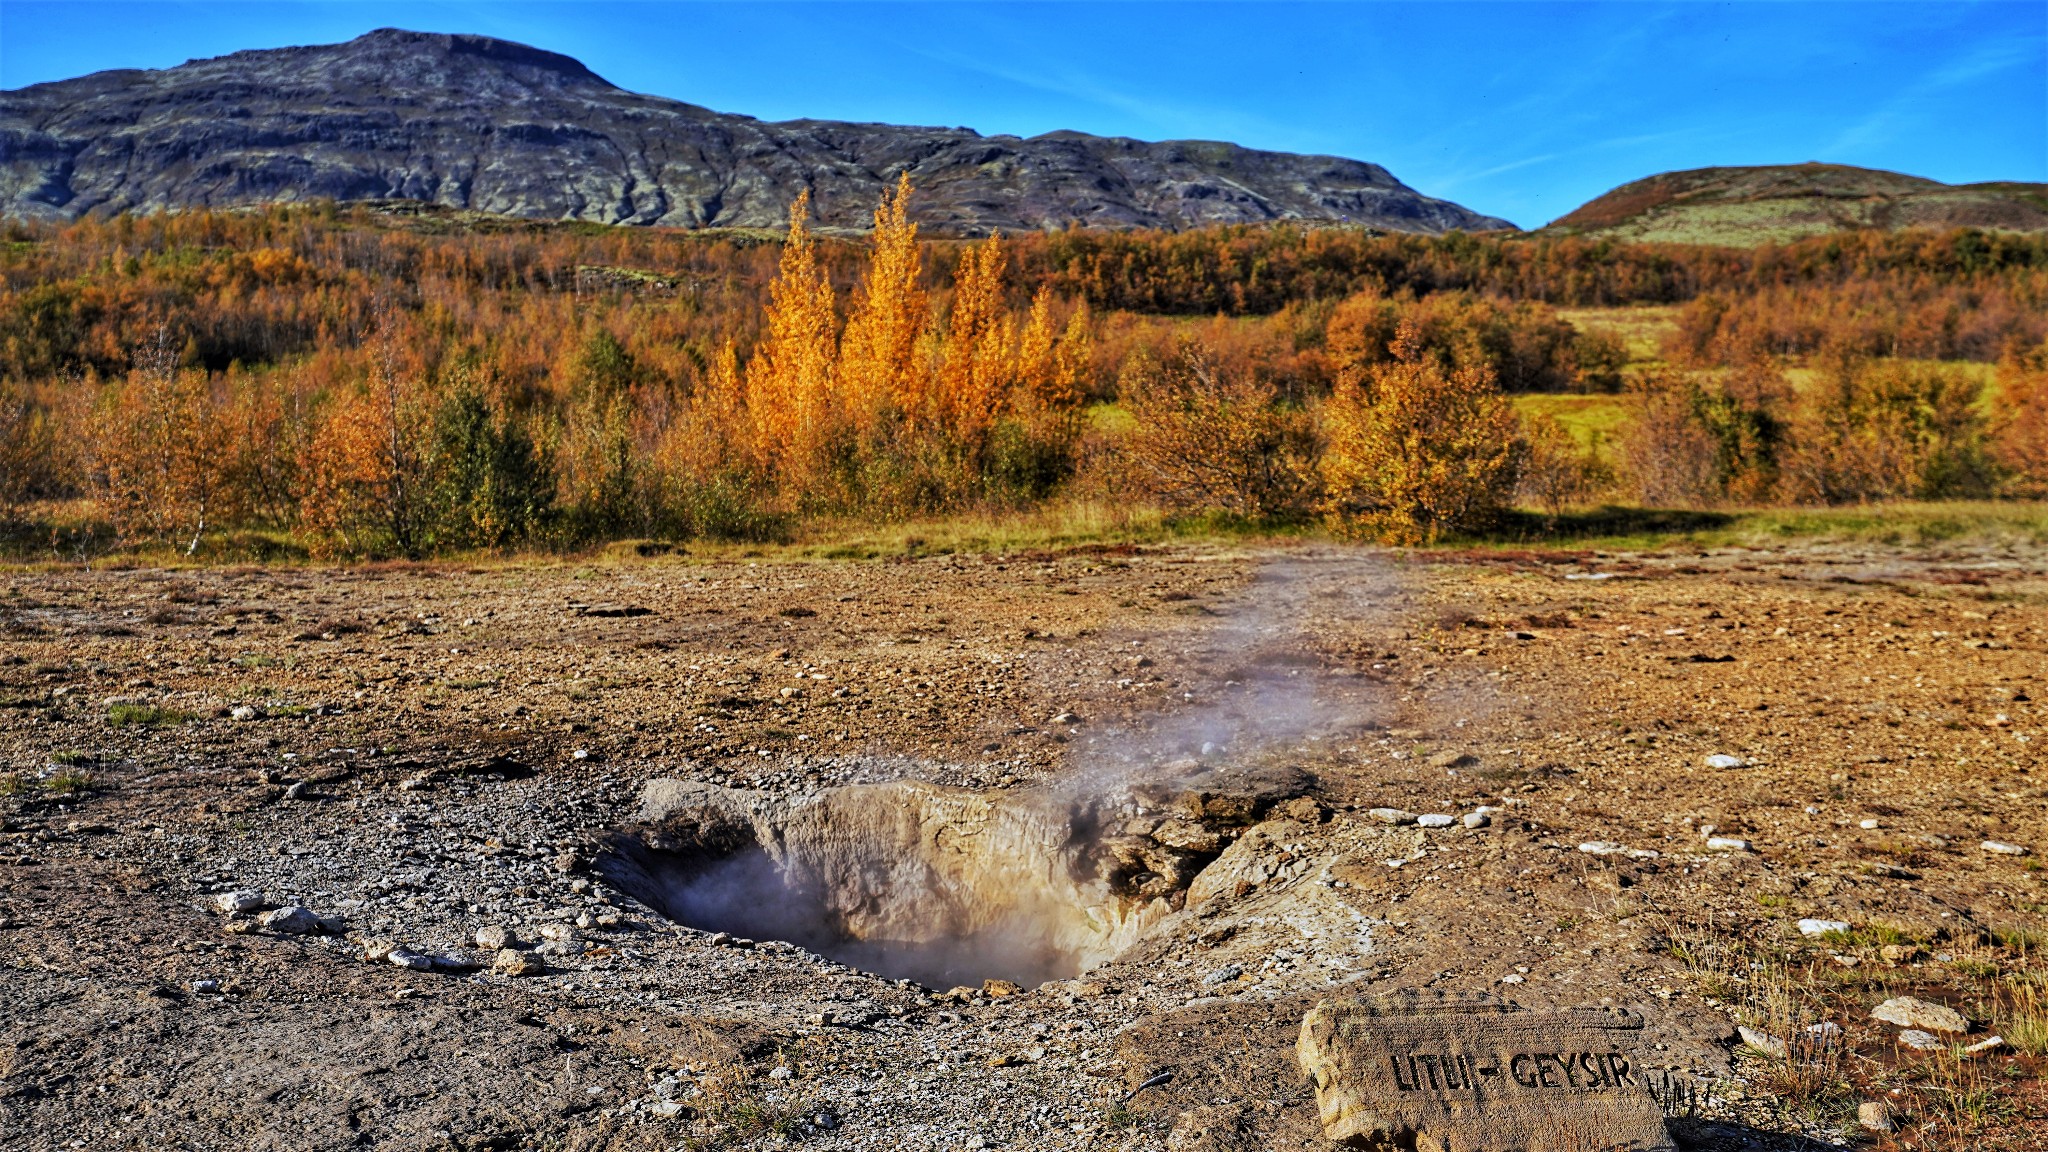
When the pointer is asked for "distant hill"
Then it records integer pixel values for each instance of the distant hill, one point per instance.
(475, 123)
(1745, 206)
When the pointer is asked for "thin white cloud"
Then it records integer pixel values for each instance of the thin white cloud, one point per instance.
(1908, 107)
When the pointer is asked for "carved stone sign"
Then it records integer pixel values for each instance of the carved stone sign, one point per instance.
(1477, 1075)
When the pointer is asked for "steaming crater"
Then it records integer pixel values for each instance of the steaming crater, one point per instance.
(943, 886)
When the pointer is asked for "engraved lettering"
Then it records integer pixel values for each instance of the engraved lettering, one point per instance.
(1400, 1083)
(1429, 1067)
(1621, 1068)
(1523, 1076)
(1545, 1074)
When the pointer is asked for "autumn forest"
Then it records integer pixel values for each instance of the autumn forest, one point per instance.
(379, 380)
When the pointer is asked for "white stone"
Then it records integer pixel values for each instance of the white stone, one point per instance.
(1908, 1012)
(1822, 927)
(1922, 1041)
(1763, 1042)
(1724, 760)
(240, 900)
(1867, 825)
(2001, 848)
(1875, 1115)
(407, 958)
(1984, 1045)
(291, 921)
(1391, 815)
(1478, 819)
(1435, 820)
(246, 712)
(1729, 844)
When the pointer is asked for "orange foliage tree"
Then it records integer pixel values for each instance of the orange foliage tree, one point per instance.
(881, 374)
(1414, 450)
(370, 466)
(162, 452)
(2022, 414)
(790, 402)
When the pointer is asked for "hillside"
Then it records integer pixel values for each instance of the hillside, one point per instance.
(476, 123)
(1744, 206)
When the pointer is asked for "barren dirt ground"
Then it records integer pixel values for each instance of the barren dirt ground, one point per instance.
(414, 753)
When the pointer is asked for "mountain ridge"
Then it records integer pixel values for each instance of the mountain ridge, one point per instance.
(479, 123)
(1748, 204)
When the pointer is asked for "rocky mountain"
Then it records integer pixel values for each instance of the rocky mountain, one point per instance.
(1744, 206)
(476, 123)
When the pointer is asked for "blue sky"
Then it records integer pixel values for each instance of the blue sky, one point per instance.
(1523, 110)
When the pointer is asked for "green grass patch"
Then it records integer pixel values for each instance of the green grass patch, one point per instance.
(145, 716)
(1641, 330)
(70, 782)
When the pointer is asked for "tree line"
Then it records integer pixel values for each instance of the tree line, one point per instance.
(380, 383)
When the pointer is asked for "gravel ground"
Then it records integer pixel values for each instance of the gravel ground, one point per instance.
(414, 754)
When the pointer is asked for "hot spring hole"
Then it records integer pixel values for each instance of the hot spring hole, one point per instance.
(749, 895)
(941, 886)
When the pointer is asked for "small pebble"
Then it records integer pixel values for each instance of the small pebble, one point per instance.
(1822, 927)
(1435, 820)
(2001, 848)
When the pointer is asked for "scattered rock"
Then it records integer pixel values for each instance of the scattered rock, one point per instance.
(246, 712)
(1435, 820)
(1988, 1044)
(1762, 1042)
(239, 901)
(292, 920)
(1907, 1012)
(1888, 871)
(1729, 844)
(1301, 808)
(511, 962)
(1822, 927)
(1223, 975)
(1610, 848)
(495, 938)
(997, 989)
(1453, 759)
(1391, 816)
(206, 987)
(1724, 760)
(407, 958)
(1066, 718)
(1478, 818)
(2001, 848)
(1875, 1115)
(1920, 1041)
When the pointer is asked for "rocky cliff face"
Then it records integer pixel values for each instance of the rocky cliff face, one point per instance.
(484, 124)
